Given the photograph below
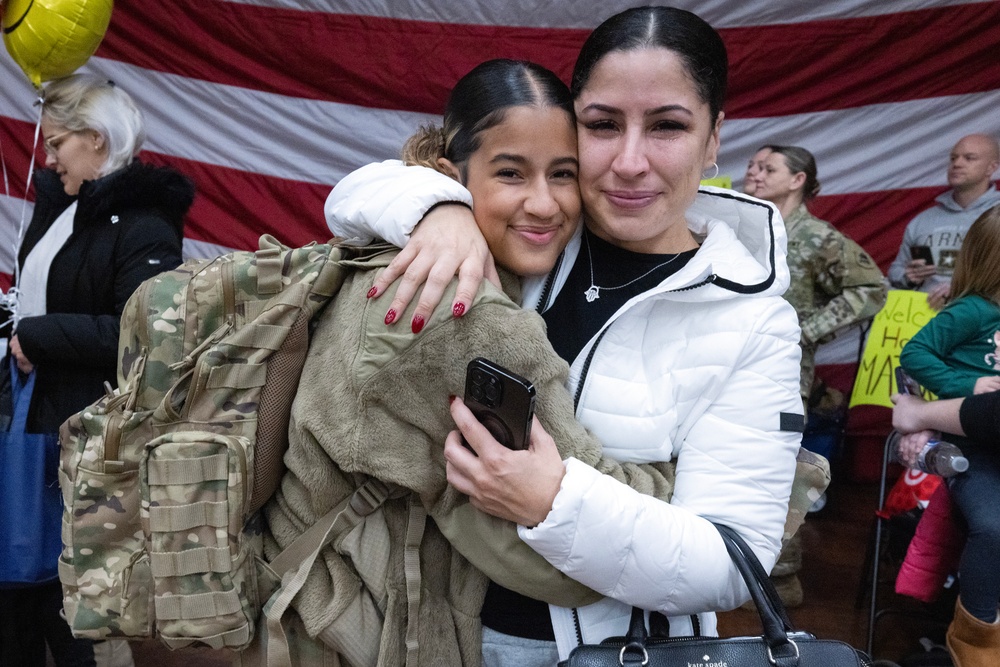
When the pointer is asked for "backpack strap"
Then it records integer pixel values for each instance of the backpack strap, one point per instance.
(294, 562)
(268, 260)
(411, 559)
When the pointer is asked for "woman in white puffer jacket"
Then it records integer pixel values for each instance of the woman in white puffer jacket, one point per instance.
(669, 307)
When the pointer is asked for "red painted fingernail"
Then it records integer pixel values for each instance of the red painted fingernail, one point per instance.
(458, 309)
(417, 324)
(390, 317)
(451, 398)
(372, 292)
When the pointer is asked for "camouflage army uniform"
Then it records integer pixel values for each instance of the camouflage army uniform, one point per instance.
(835, 283)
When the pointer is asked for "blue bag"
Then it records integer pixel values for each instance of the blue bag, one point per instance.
(30, 500)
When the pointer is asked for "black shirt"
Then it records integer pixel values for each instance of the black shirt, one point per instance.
(572, 321)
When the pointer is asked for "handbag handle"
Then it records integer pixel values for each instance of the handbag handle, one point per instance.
(759, 574)
(21, 390)
(773, 617)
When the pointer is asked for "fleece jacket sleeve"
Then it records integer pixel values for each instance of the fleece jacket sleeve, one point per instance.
(412, 394)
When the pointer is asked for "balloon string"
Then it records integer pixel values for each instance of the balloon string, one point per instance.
(11, 295)
(3, 164)
(10, 300)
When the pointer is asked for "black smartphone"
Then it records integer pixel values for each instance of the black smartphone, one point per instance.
(922, 252)
(905, 384)
(502, 401)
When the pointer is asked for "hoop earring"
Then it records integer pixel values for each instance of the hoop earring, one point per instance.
(715, 165)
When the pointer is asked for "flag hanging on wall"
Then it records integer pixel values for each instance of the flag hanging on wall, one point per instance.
(266, 104)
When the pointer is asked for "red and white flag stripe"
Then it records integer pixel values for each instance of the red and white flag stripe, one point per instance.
(266, 104)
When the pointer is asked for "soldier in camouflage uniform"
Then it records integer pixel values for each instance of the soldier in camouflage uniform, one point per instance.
(835, 284)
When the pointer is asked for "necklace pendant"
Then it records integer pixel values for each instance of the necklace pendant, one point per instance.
(592, 294)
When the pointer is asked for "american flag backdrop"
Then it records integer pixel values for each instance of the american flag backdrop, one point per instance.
(266, 104)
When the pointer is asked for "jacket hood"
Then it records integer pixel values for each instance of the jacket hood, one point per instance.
(743, 252)
(138, 185)
(988, 199)
(743, 243)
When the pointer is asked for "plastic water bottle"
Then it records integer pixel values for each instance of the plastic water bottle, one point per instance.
(942, 458)
(936, 458)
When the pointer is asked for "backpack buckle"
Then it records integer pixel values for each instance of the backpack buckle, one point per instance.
(369, 496)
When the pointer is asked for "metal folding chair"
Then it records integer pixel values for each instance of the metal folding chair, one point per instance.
(875, 554)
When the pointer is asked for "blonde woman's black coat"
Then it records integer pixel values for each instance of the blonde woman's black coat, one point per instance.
(128, 227)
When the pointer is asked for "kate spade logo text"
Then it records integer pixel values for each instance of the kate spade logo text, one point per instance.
(707, 662)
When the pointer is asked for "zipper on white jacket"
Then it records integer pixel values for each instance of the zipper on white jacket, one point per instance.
(577, 626)
(543, 301)
(585, 370)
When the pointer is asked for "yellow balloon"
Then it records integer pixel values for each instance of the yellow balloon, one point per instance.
(49, 39)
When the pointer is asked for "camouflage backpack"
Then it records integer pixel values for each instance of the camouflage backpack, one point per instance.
(162, 479)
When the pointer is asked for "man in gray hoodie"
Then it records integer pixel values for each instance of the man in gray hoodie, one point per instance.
(938, 231)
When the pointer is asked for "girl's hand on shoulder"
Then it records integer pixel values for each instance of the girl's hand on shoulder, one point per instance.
(518, 486)
(985, 385)
(446, 243)
(23, 364)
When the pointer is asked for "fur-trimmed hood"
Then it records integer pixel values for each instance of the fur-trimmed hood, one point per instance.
(139, 185)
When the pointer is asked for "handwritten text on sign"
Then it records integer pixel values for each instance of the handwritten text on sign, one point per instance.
(905, 312)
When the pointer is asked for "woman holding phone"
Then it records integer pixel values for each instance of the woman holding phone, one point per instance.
(668, 305)
(373, 401)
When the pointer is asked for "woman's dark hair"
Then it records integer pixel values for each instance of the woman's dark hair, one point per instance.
(691, 38)
(798, 159)
(479, 101)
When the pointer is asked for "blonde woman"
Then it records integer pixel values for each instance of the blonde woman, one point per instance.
(103, 223)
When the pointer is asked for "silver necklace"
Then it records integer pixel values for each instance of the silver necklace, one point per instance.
(593, 292)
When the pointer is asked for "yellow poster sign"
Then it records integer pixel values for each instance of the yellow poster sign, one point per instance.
(719, 182)
(904, 313)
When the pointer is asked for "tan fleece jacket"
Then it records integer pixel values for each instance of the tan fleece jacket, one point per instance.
(373, 401)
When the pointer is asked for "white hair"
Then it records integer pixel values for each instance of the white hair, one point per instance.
(87, 102)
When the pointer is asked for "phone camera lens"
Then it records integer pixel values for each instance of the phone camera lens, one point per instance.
(492, 391)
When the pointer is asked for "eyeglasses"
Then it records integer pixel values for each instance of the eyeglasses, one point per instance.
(50, 146)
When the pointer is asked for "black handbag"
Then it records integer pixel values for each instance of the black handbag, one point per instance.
(779, 646)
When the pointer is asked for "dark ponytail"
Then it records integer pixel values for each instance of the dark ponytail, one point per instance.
(479, 101)
(425, 147)
(798, 159)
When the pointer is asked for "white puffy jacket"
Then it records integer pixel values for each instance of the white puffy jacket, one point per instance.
(704, 368)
